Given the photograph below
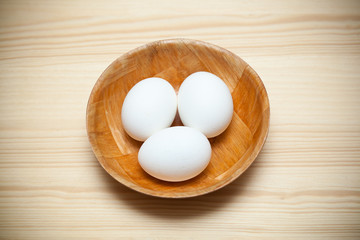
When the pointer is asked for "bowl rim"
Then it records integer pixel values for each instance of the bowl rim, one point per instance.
(193, 193)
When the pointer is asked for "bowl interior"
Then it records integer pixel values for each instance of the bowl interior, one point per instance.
(232, 151)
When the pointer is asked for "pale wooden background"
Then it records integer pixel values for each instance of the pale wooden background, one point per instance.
(304, 185)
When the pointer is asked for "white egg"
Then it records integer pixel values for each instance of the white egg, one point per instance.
(205, 103)
(175, 154)
(150, 106)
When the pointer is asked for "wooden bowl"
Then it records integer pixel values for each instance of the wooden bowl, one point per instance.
(232, 152)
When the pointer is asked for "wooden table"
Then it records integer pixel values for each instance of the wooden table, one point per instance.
(304, 185)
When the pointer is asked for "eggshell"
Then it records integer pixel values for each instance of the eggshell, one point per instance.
(205, 103)
(175, 154)
(149, 106)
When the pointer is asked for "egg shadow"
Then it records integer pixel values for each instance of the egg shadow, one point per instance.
(186, 208)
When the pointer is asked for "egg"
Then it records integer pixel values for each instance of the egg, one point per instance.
(205, 103)
(175, 154)
(149, 106)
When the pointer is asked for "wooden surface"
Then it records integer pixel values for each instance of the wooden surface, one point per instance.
(233, 151)
(305, 184)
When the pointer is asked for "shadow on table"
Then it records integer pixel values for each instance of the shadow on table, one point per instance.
(181, 208)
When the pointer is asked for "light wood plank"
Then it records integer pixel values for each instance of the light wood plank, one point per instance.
(304, 185)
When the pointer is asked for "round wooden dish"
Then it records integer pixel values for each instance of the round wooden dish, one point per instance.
(232, 152)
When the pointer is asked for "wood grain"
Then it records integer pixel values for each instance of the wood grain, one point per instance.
(303, 185)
